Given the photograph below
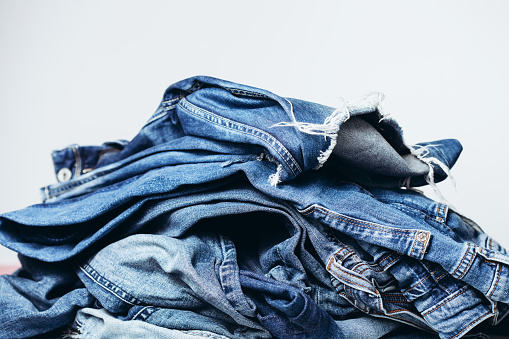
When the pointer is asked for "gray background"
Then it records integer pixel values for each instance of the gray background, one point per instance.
(90, 71)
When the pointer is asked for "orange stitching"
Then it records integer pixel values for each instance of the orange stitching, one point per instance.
(397, 257)
(461, 262)
(443, 303)
(440, 277)
(420, 282)
(470, 262)
(496, 283)
(466, 327)
(360, 223)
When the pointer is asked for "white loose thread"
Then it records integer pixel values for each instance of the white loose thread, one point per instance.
(330, 127)
(275, 178)
(422, 152)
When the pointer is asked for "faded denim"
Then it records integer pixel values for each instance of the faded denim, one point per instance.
(99, 324)
(218, 149)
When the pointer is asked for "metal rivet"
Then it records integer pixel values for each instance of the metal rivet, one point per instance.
(421, 236)
(64, 174)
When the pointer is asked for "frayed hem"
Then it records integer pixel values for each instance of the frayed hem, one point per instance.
(331, 125)
(422, 152)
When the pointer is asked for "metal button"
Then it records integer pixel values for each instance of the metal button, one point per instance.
(421, 236)
(64, 175)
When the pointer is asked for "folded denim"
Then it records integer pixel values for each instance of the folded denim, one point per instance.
(190, 163)
(39, 298)
(188, 283)
(228, 118)
(286, 311)
(113, 276)
(485, 263)
(94, 323)
(391, 285)
(203, 127)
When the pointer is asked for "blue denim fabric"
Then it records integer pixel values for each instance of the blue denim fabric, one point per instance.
(484, 263)
(39, 298)
(99, 324)
(286, 311)
(183, 284)
(394, 286)
(290, 313)
(275, 249)
(355, 212)
(203, 127)
(208, 134)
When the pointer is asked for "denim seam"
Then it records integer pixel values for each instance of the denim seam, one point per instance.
(372, 267)
(461, 261)
(404, 209)
(445, 288)
(436, 307)
(437, 212)
(390, 313)
(385, 314)
(441, 210)
(144, 313)
(473, 323)
(359, 263)
(376, 227)
(396, 301)
(111, 187)
(230, 283)
(420, 282)
(494, 284)
(192, 89)
(171, 100)
(471, 261)
(50, 193)
(270, 137)
(87, 267)
(165, 111)
(437, 280)
(413, 245)
(158, 116)
(355, 301)
(294, 166)
(393, 260)
(357, 222)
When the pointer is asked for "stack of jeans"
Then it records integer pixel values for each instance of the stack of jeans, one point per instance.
(238, 213)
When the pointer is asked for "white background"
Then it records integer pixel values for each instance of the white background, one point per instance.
(90, 71)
